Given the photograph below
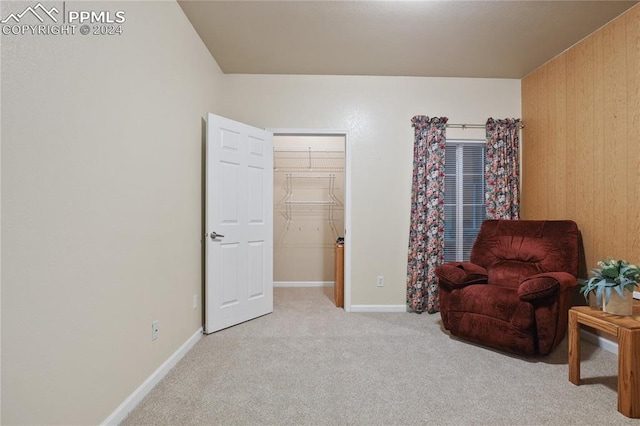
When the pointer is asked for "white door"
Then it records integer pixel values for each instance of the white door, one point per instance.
(239, 223)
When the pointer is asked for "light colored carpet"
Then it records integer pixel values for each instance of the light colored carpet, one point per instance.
(309, 363)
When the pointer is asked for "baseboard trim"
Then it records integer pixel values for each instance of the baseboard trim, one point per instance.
(599, 341)
(303, 283)
(378, 308)
(134, 399)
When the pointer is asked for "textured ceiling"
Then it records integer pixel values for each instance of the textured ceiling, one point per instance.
(498, 39)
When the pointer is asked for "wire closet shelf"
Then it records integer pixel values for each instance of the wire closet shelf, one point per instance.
(309, 179)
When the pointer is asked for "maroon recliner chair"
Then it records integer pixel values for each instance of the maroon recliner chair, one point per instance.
(515, 293)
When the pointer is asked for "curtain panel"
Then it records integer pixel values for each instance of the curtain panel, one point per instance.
(502, 169)
(426, 234)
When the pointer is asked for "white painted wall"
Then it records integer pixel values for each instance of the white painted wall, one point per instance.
(102, 178)
(377, 112)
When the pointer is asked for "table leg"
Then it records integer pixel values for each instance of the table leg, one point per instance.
(574, 348)
(629, 372)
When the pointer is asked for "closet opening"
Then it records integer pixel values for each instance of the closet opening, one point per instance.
(310, 210)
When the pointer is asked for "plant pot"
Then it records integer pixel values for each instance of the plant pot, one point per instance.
(593, 302)
(619, 305)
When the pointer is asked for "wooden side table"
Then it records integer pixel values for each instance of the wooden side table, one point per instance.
(627, 331)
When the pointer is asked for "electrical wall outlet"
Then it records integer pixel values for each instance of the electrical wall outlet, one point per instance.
(195, 302)
(380, 282)
(155, 328)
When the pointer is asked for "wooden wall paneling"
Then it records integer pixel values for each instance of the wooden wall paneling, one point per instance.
(616, 155)
(573, 182)
(523, 90)
(548, 160)
(539, 195)
(560, 134)
(598, 228)
(583, 110)
(542, 207)
(584, 134)
(633, 129)
(542, 158)
(523, 138)
(530, 177)
(530, 117)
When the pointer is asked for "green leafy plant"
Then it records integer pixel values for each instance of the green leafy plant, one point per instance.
(618, 275)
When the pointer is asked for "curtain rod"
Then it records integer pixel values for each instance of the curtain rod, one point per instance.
(473, 126)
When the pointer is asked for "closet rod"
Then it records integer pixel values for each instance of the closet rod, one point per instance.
(473, 126)
(306, 150)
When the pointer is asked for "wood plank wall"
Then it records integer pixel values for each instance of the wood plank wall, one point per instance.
(581, 141)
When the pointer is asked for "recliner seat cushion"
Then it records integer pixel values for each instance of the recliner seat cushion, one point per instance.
(493, 315)
(493, 301)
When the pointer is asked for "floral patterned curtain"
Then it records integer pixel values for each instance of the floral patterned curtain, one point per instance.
(502, 169)
(426, 234)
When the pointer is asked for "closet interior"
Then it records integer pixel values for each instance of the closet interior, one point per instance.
(309, 181)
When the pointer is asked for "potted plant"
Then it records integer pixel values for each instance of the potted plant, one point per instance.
(612, 285)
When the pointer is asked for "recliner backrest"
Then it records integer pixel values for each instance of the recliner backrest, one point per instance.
(512, 250)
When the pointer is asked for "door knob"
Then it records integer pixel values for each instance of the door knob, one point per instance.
(215, 235)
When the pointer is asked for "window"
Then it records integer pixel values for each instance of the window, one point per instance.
(464, 197)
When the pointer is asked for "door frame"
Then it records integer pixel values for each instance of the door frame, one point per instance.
(348, 156)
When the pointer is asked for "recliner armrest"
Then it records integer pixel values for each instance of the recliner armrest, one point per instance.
(544, 285)
(460, 274)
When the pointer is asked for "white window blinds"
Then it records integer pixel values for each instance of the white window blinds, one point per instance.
(464, 197)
